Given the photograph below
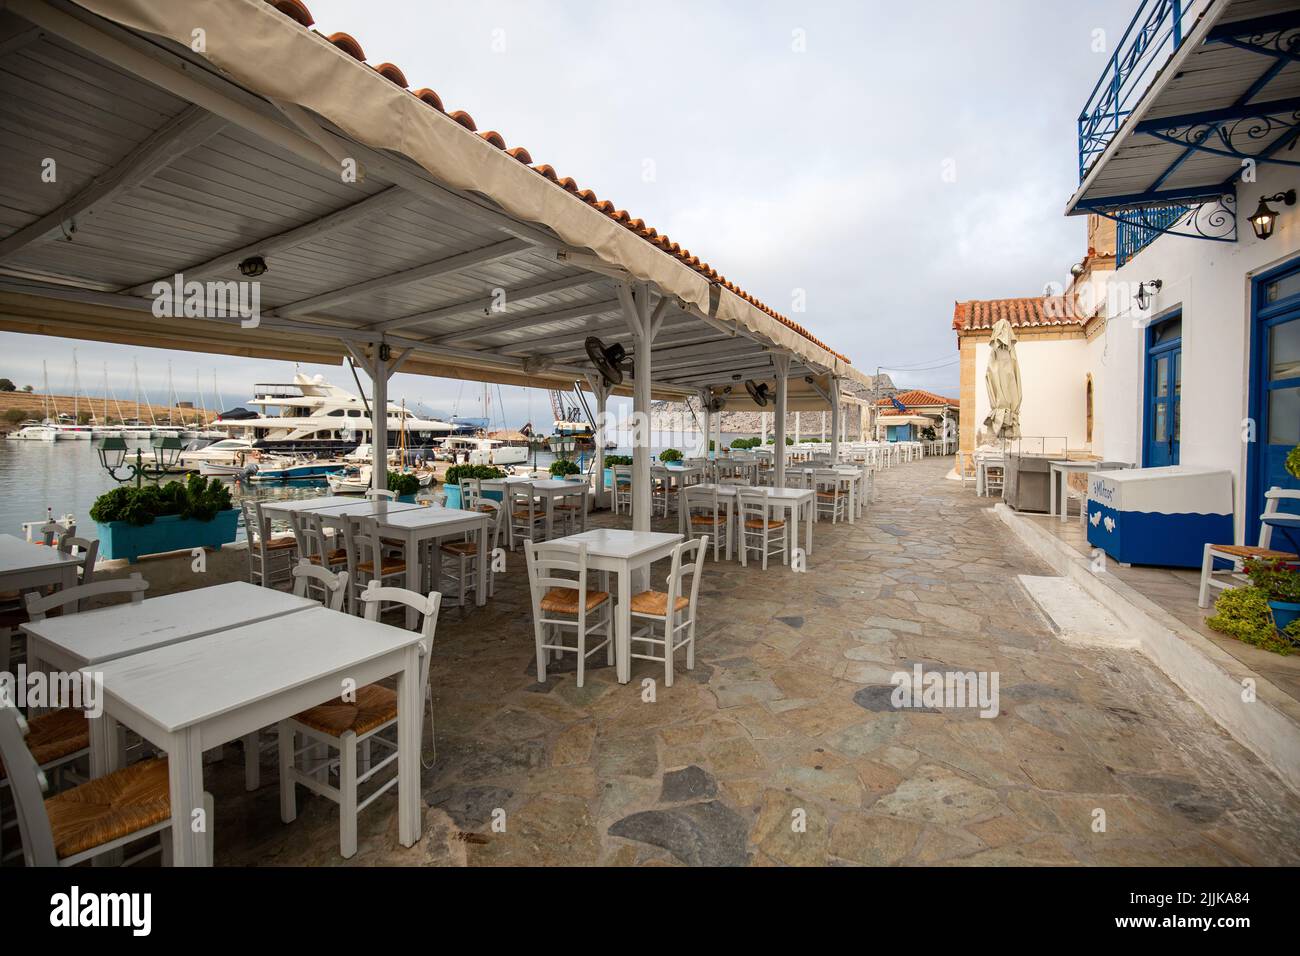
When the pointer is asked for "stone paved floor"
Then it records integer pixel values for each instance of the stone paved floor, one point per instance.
(787, 717)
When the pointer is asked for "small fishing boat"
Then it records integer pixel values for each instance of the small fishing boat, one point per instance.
(288, 470)
(356, 479)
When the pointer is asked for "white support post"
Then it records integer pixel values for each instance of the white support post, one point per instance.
(782, 363)
(762, 417)
(601, 391)
(707, 422)
(379, 371)
(798, 425)
(835, 420)
(636, 310)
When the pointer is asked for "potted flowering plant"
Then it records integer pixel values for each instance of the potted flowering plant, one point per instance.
(1280, 581)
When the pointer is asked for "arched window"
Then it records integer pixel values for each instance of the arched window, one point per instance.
(1088, 407)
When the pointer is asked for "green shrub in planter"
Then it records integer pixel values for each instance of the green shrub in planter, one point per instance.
(1244, 613)
(670, 454)
(198, 499)
(562, 467)
(403, 484)
(612, 460)
(458, 473)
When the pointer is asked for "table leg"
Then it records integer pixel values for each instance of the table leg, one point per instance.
(550, 517)
(808, 529)
(414, 581)
(185, 778)
(484, 565)
(792, 536)
(409, 721)
(853, 501)
(1051, 492)
(623, 628)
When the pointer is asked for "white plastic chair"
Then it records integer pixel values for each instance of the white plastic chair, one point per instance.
(344, 726)
(568, 602)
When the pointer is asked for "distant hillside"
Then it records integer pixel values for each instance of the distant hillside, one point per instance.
(31, 404)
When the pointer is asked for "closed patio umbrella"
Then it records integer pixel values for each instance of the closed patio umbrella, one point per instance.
(1003, 381)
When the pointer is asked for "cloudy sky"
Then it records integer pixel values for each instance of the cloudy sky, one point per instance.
(888, 159)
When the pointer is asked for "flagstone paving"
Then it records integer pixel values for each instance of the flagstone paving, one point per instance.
(782, 746)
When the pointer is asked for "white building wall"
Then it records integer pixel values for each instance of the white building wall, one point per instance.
(1053, 380)
(1211, 283)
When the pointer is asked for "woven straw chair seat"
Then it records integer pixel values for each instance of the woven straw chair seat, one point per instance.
(484, 509)
(656, 603)
(1248, 551)
(755, 524)
(337, 556)
(108, 808)
(55, 735)
(565, 600)
(708, 519)
(374, 706)
(389, 565)
(830, 495)
(462, 549)
(524, 515)
(280, 544)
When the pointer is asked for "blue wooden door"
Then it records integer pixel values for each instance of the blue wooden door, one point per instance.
(1275, 387)
(1163, 414)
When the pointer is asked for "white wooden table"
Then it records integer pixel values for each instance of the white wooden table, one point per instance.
(623, 553)
(788, 500)
(197, 695)
(1059, 471)
(852, 478)
(549, 490)
(332, 515)
(414, 526)
(73, 641)
(283, 509)
(24, 566)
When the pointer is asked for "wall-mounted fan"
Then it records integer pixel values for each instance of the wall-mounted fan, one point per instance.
(608, 359)
(758, 391)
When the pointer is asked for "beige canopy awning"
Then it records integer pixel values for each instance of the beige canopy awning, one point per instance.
(380, 215)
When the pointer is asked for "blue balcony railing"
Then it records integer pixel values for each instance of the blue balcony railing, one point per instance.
(1153, 36)
(1137, 228)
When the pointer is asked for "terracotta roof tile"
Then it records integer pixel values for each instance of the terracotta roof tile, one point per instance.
(919, 398)
(1021, 313)
(298, 12)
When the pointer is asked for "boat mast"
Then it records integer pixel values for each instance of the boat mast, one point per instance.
(135, 367)
(171, 394)
(76, 388)
(45, 390)
(105, 421)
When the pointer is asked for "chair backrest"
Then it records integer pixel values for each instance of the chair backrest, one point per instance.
(374, 597)
(52, 531)
(27, 784)
(622, 471)
(549, 565)
(373, 493)
(361, 541)
(471, 492)
(310, 532)
(335, 585)
(254, 529)
(89, 547)
(827, 478)
(498, 512)
(522, 497)
(754, 505)
(69, 599)
(686, 561)
(698, 498)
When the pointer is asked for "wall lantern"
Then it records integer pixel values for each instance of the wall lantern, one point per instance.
(1265, 218)
(1146, 290)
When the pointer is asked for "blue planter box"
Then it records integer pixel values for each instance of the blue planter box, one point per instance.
(118, 539)
(453, 495)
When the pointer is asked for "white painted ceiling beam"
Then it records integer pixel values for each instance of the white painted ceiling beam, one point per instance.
(526, 320)
(485, 303)
(429, 270)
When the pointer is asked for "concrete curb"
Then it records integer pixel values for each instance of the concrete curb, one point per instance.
(1269, 726)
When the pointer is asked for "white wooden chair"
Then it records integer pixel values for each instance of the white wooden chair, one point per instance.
(1237, 554)
(622, 478)
(92, 818)
(706, 516)
(527, 514)
(832, 500)
(465, 554)
(562, 603)
(88, 549)
(269, 559)
(315, 545)
(672, 611)
(373, 493)
(758, 530)
(367, 560)
(69, 600)
(350, 727)
(333, 588)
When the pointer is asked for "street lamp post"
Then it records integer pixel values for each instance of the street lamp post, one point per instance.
(112, 455)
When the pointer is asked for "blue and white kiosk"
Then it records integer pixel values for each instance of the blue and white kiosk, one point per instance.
(1160, 516)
